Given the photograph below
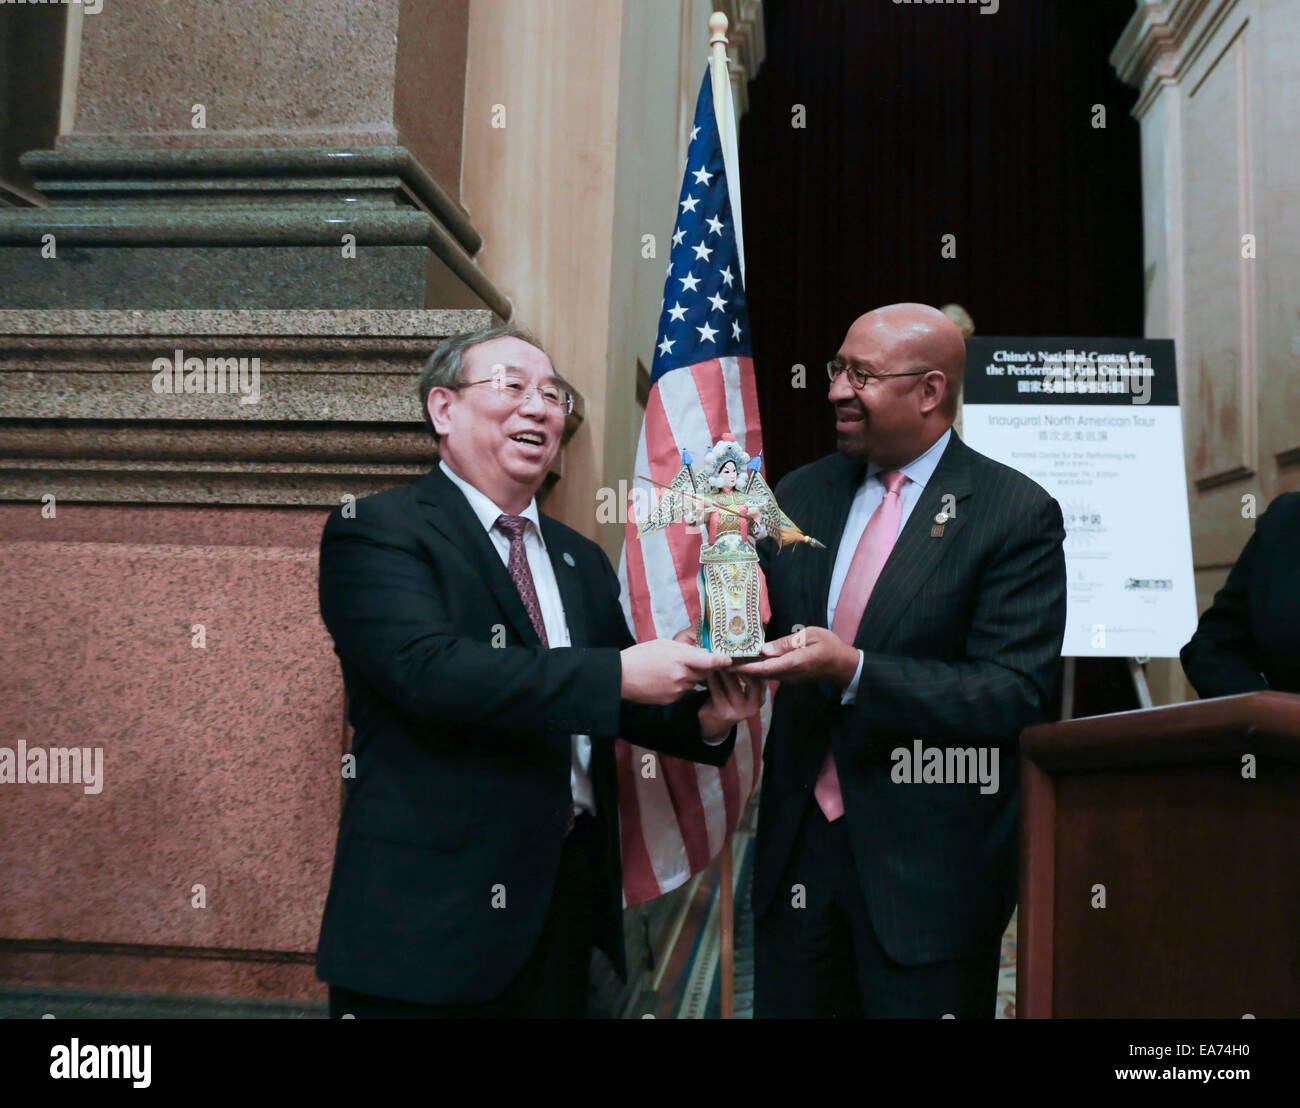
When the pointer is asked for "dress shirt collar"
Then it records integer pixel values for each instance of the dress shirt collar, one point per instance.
(484, 508)
(920, 469)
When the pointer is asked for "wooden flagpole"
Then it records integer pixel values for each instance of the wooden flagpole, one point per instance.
(726, 922)
(726, 905)
(718, 72)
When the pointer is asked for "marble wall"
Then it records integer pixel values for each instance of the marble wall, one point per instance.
(158, 572)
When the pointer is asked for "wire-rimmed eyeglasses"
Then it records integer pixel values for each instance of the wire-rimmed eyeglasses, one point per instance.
(518, 391)
(858, 377)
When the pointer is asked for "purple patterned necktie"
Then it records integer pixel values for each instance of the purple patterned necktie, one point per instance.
(520, 574)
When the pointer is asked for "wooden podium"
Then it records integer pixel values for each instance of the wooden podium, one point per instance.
(1194, 852)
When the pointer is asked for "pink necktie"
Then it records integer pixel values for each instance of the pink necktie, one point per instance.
(868, 560)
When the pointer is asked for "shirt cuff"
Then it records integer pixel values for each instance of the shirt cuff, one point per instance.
(720, 740)
(851, 693)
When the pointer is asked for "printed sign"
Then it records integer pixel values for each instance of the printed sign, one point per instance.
(1096, 423)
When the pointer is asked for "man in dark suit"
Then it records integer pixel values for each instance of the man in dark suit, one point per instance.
(911, 653)
(488, 669)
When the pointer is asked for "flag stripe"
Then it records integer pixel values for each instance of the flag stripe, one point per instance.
(711, 388)
(749, 402)
(639, 883)
(684, 792)
(733, 381)
(683, 547)
(636, 587)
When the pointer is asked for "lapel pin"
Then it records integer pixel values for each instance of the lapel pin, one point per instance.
(936, 532)
(568, 559)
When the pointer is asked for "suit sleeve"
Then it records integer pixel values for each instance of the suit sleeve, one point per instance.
(1013, 650)
(1220, 659)
(382, 601)
(672, 729)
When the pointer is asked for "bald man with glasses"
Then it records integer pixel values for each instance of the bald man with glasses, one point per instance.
(933, 617)
(488, 670)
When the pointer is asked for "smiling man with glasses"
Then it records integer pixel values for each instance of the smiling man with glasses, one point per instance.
(496, 407)
(488, 669)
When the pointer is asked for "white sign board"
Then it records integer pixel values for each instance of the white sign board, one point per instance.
(1096, 423)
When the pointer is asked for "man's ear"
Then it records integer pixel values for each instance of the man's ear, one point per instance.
(439, 406)
(934, 390)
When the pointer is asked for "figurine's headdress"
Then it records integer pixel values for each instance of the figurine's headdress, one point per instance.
(684, 493)
(726, 449)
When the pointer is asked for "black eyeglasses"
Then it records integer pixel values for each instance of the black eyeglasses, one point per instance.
(518, 391)
(859, 377)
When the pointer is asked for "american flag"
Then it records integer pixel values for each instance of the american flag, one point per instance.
(676, 819)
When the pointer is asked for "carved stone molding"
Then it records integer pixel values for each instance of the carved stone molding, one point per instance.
(745, 46)
(244, 175)
(248, 197)
(336, 411)
(1161, 40)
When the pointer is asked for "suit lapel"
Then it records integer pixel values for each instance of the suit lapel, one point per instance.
(917, 553)
(448, 512)
(567, 578)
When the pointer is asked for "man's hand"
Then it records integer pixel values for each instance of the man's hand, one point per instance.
(813, 654)
(659, 671)
(731, 699)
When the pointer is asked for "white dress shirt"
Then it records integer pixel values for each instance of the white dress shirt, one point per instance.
(548, 598)
(865, 501)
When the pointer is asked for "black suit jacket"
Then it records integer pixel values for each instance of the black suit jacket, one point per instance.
(962, 638)
(450, 837)
(1249, 638)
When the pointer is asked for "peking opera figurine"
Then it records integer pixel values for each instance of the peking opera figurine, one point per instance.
(733, 507)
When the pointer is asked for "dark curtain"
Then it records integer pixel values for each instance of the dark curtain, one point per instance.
(924, 121)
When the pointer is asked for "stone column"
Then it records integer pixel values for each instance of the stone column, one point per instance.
(231, 179)
(235, 154)
(272, 190)
(158, 575)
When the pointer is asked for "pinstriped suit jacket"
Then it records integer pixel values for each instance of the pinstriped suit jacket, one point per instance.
(962, 639)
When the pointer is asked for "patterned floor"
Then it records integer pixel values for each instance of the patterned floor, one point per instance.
(702, 993)
(701, 987)
(1007, 973)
